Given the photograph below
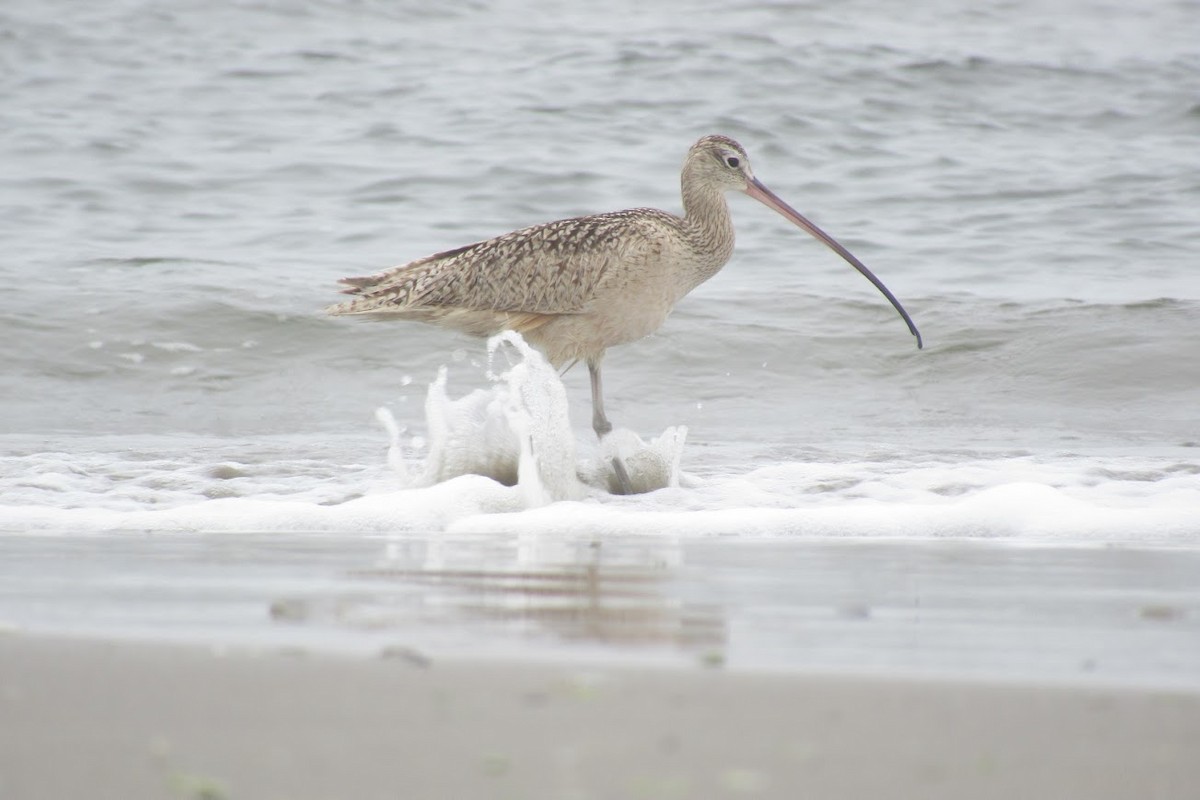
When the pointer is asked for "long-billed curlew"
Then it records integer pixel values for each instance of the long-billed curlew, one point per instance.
(576, 287)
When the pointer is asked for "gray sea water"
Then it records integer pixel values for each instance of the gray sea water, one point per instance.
(183, 182)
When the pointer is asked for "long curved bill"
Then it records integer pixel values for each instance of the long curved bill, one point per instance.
(762, 194)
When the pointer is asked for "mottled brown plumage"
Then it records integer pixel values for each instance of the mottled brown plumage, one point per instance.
(573, 287)
(578, 286)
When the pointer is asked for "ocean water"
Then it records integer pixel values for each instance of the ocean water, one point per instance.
(182, 184)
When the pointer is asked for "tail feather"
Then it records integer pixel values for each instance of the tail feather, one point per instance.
(357, 285)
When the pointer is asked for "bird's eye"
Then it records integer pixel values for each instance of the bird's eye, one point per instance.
(732, 161)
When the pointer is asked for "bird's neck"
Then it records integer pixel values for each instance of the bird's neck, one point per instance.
(708, 227)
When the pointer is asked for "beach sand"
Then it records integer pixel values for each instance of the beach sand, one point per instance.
(104, 719)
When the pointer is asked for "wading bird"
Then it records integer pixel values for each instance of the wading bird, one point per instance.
(575, 287)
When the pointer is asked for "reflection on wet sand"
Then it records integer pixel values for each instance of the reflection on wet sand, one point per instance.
(567, 591)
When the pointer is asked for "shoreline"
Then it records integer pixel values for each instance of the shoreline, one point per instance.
(129, 719)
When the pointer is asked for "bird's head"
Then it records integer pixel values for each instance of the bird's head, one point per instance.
(722, 163)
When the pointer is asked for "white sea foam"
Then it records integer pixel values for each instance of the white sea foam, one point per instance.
(1021, 499)
(505, 459)
(778, 501)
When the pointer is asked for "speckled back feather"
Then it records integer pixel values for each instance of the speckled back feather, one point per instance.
(548, 269)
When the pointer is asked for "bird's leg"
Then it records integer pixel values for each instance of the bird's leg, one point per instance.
(602, 426)
(600, 423)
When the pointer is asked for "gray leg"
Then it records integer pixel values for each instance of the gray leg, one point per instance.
(600, 423)
(602, 426)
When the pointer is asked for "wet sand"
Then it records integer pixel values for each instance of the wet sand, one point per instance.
(125, 720)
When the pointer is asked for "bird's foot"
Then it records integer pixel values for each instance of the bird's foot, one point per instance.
(624, 486)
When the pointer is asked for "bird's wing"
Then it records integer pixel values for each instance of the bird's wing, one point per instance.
(553, 268)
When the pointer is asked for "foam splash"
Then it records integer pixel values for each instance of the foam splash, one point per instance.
(518, 433)
(650, 465)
